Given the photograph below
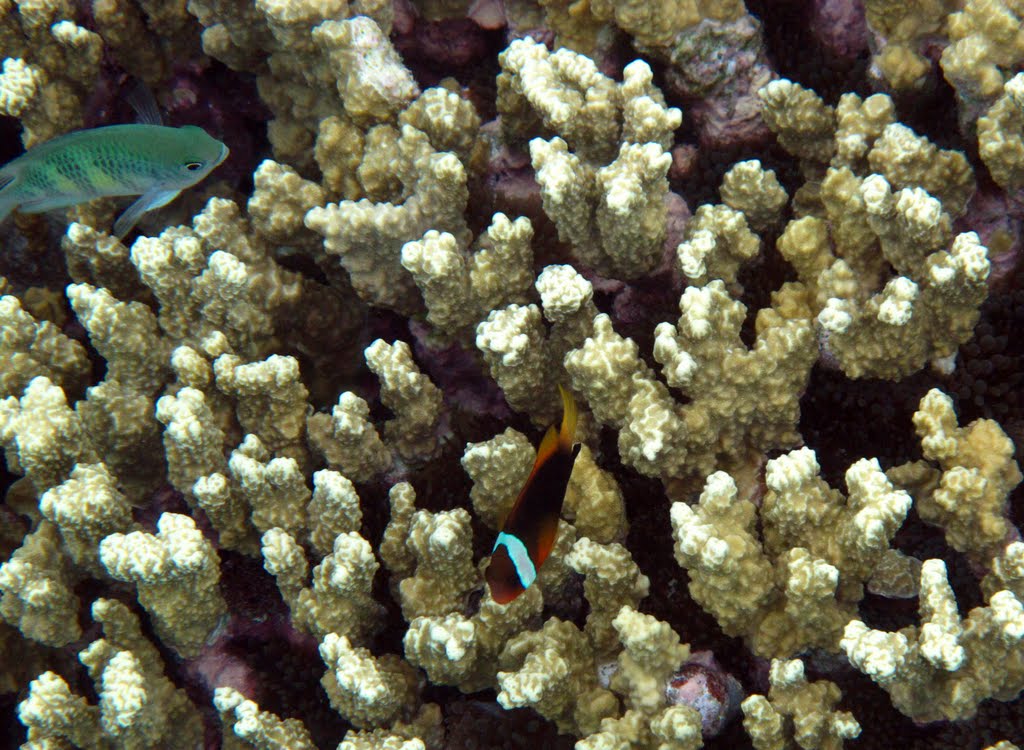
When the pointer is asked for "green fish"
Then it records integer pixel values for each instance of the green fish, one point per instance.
(152, 161)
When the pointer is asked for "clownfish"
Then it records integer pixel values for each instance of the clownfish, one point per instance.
(526, 539)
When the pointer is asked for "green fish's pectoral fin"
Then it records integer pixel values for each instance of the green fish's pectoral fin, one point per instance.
(151, 199)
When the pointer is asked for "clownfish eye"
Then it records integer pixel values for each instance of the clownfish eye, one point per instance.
(192, 166)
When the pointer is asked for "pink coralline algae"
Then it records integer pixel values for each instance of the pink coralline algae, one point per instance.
(704, 685)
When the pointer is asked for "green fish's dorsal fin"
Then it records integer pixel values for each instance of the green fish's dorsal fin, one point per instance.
(144, 103)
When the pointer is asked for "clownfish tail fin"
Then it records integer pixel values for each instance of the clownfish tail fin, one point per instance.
(567, 433)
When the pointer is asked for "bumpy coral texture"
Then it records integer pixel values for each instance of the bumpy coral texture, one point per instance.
(256, 455)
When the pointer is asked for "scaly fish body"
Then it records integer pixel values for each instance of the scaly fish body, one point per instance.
(153, 161)
(529, 531)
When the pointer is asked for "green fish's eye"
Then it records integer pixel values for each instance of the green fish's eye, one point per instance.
(192, 166)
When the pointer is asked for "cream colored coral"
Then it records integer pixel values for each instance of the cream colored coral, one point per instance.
(797, 711)
(460, 289)
(704, 355)
(19, 85)
(903, 30)
(603, 178)
(978, 474)
(422, 731)
(716, 243)
(612, 581)
(755, 192)
(441, 545)
(367, 691)
(986, 45)
(120, 424)
(801, 510)
(613, 215)
(347, 440)
(651, 653)
(730, 577)
(96, 258)
(36, 593)
(369, 236)
(809, 613)
(1001, 136)
(217, 278)
(906, 159)
(284, 559)
(139, 706)
(498, 468)
(947, 666)
(53, 714)
(511, 340)
(573, 99)
(1007, 572)
(258, 728)
(410, 395)
(859, 124)
(176, 572)
(334, 509)
(270, 400)
(602, 369)
(274, 488)
(552, 671)
(630, 213)
(450, 121)
(439, 269)
(340, 599)
(227, 510)
(86, 507)
(923, 315)
(280, 201)
(564, 90)
(30, 348)
(125, 334)
(398, 558)
(801, 121)
(369, 75)
(193, 441)
(50, 68)
(42, 437)
(594, 502)
(463, 651)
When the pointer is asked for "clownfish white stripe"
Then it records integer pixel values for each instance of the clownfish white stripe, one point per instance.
(525, 569)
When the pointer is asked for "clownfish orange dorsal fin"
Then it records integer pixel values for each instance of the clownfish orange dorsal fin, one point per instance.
(563, 438)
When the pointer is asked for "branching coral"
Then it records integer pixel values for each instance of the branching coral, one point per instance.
(138, 706)
(704, 356)
(967, 496)
(30, 348)
(900, 215)
(799, 711)
(176, 574)
(204, 423)
(947, 666)
(609, 206)
(36, 590)
(800, 586)
(49, 68)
